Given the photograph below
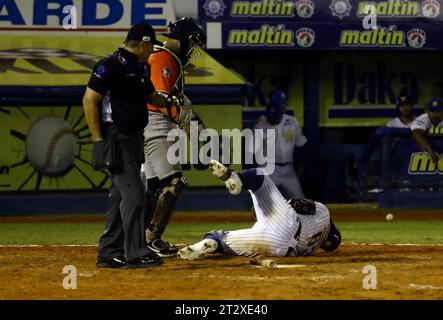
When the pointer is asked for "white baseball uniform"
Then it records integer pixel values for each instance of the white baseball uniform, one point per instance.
(288, 135)
(279, 231)
(397, 123)
(423, 122)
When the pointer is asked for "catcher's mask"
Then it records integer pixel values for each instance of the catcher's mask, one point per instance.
(190, 35)
(333, 240)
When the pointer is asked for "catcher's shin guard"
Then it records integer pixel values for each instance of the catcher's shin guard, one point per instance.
(165, 201)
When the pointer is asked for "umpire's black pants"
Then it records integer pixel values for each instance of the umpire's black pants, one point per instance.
(124, 233)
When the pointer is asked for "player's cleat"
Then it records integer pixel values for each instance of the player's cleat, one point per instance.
(147, 261)
(162, 248)
(198, 249)
(113, 263)
(231, 178)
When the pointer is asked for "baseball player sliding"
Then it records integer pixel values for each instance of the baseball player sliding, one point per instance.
(283, 228)
(165, 180)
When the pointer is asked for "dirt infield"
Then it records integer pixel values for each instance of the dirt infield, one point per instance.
(403, 272)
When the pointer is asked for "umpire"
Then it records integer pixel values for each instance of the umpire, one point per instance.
(115, 105)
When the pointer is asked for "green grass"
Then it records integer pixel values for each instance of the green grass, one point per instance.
(426, 232)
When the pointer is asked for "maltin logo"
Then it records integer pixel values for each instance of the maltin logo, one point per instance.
(421, 163)
(305, 37)
(416, 38)
(430, 8)
(340, 8)
(214, 8)
(305, 8)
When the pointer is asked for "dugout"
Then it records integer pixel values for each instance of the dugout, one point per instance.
(341, 97)
(342, 79)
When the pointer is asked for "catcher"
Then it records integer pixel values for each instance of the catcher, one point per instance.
(283, 228)
(165, 182)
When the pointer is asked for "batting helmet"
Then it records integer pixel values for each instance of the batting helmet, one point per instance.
(190, 35)
(333, 240)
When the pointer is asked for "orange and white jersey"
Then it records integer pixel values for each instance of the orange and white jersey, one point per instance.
(166, 76)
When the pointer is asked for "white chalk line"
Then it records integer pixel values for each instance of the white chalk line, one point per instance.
(424, 287)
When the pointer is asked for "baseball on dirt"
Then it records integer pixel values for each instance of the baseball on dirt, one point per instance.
(50, 146)
(389, 217)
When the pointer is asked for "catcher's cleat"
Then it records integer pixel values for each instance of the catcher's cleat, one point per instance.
(162, 248)
(231, 178)
(198, 249)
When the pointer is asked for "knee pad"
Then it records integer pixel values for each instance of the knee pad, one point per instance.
(176, 184)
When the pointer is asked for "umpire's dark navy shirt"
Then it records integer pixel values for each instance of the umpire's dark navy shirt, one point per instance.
(128, 84)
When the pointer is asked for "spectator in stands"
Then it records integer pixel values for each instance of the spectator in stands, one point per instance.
(404, 109)
(431, 119)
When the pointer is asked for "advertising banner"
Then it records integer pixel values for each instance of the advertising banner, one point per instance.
(330, 36)
(49, 148)
(67, 61)
(414, 168)
(318, 11)
(83, 15)
(326, 24)
(359, 89)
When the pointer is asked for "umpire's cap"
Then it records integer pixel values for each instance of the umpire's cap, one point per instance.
(333, 240)
(186, 29)
(404, 99)
(142, 31)
(435, 105)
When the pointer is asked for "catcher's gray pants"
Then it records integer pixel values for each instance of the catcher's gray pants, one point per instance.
(156, 147)
(125, 218)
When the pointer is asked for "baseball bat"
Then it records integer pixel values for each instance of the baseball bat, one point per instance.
(267, 263)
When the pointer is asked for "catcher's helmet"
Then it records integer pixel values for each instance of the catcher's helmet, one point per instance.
(333, 240)
(190, 35)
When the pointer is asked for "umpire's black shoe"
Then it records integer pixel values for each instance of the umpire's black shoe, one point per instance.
(148, 260)
(162, 248)
(113, 263)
